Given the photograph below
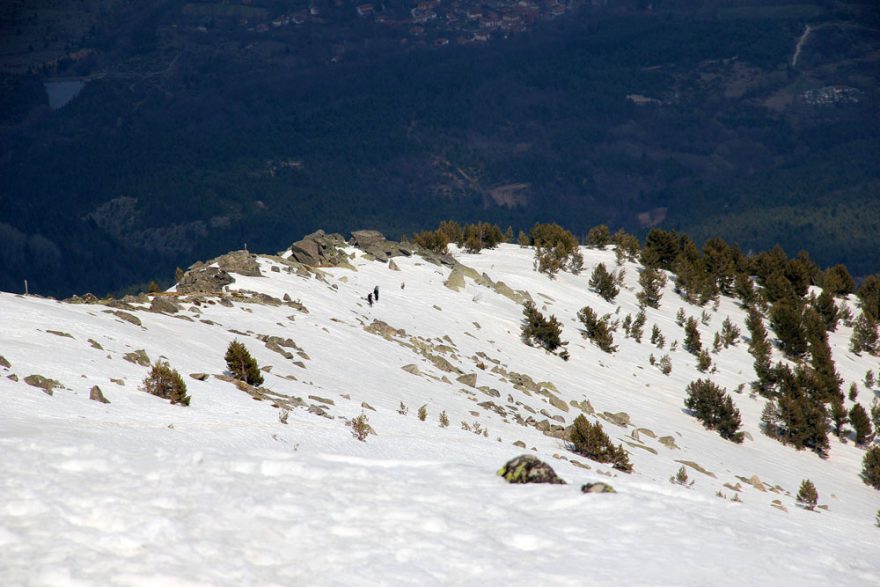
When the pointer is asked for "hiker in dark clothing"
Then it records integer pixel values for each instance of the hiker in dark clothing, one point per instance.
(376, 293)
(370, 299)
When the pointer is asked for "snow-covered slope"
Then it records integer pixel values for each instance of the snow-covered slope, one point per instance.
(141, 492)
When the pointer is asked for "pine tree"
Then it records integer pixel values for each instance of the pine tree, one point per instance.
(432, 240)
(599, 237)
(839, 416)
(597, 329)
(869, 294)
(665, 365)
(590, 440)
(802, 414)
(704, 361)
(718, 257)
(602, 282)
(827, 309)
(661, 248)
(827, 379)
(729, 333)
(870, 380)
(864, 337)
(770, 419)
(745, 289)
(875, 414)
(627, 246)
(523, 240)
(242, 365)
(714, 409)
(692, 342)
(861, 424)
(807, 495)
(786, 321)
(637, 328)
(538, 329)
(838, 281)
(556, 249)
(652, 281)
(165, 382)
(451, 231)
(657, 338)
(871, 467)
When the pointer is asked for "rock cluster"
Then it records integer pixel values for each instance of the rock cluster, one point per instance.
(529, 469)
(319, 249)
(204, 279)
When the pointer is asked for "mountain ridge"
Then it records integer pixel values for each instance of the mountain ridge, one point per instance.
(145, 491)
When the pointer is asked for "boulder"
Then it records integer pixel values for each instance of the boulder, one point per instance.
(128, 317)
(95, 394)
(44, 383)
(319, 249)
(202, 279)
(529, 469)
(164, 305)
(455, 281)
(597, 487)
(4, 362)
(364, 239)
(469, 379)
(138, 357)
(241, 262)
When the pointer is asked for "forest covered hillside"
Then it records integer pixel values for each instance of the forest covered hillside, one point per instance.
(194, 128)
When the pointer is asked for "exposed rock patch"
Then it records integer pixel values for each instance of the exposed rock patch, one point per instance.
(95, 394)
(203, 279)
(597, 487)
(164, 305)
(529, 469)
(44, 383)
(241, 262)
(138, 357)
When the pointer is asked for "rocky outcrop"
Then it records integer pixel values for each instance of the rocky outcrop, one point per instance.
(44, 383)
(203, 279)
(138, 357)
(241, 262)
(319, 249)
(529, 469)
(164, 305)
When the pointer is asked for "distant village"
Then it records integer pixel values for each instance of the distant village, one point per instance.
(440, 22)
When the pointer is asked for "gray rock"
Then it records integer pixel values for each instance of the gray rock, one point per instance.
(44, 383)
(241, 262)
(138, 357)
(393, 266)
(319, 249)
(199, 376)
(364, 239)
(597, 487)
(4, 362)
(529, 469)
(204, 280)
(122, 315)
(95, 394)
(469, 379)
(164, 305)
(455, 281)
